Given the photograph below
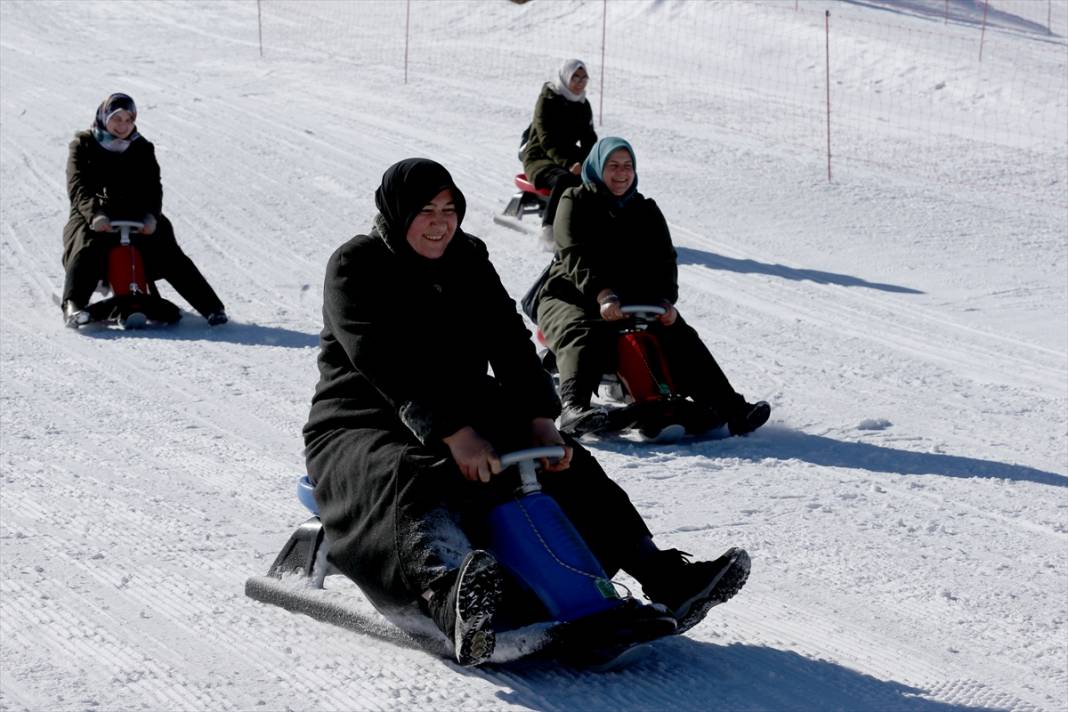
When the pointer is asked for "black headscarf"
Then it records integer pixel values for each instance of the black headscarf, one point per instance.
(406, 187)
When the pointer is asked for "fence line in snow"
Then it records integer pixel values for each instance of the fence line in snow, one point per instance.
(919, 79)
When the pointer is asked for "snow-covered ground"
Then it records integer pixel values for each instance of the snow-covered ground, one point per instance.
(906, 508)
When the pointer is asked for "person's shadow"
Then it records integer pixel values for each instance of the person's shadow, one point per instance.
(782, 443)
(193, 328)
(711, 260)
(681, 674)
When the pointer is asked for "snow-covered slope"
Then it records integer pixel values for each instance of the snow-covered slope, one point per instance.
(906, 508)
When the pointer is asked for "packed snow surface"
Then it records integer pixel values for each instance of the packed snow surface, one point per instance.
(906, 507)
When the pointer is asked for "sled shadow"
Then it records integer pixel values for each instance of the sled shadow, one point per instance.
(820, 450)
(781, 443)
(681, 674)
(713, 261)
(192, 327)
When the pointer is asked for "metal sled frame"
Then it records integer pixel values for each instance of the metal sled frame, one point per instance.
(295, 582)
(528, 200)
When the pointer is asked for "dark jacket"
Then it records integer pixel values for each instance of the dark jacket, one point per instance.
(601, 245)
(123, 186)
(561, 133)
(407, 342)
(404, 357)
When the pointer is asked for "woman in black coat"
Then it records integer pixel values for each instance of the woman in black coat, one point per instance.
(613, 246)
(561, 135)
(406, 424)
(112, 174)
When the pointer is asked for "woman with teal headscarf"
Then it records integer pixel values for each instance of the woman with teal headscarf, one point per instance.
(613, 247)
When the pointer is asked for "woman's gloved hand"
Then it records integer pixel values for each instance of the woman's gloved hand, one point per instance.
(100, 223)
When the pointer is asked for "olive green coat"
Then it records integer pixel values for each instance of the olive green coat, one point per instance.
(561, 134)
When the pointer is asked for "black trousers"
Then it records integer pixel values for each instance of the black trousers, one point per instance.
(85, 258)
(400, 515)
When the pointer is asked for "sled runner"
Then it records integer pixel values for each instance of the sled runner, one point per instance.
(568, 611)
(642, 389)
(528, 200)
(130, 299)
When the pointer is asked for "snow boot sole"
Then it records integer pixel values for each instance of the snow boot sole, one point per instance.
(720, 590)
(478, 591)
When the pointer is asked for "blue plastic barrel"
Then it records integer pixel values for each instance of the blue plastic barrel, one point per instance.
(539, 545)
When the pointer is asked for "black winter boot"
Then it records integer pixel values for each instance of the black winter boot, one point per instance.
(578, 418)
(749, 417)
(464, 611)
(690, 589)
(74, 315)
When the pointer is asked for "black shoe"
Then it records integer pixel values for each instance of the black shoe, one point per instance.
(576, 420)
(690, 589)
(464, 612)
(74, 315)
(217, 318)
(749, 417)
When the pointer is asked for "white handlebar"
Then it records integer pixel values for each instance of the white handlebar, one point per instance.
(640, 309)
(553, 452)
(124, 229)
(525, 459)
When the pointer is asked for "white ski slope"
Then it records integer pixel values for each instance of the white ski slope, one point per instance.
(906, 507)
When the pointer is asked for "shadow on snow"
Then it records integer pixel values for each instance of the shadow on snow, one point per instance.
(194, 328)
(685, 674)
(781, 443)
(713, 261)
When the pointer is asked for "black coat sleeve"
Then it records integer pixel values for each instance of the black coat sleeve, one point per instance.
(511, 352)
(83, 186)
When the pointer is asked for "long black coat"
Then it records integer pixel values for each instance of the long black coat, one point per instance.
(405, 347)
(405, 351)
(561, 134)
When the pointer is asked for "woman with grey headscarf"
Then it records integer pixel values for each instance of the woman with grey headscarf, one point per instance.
(561, 136)
(112, 174)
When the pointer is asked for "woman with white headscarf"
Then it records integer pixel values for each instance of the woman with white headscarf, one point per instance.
(561, 136)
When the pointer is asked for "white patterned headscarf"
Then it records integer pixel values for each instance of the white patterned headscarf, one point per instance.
(563, 79)
(109, 107)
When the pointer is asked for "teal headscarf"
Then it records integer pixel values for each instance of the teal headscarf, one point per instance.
(593, 166)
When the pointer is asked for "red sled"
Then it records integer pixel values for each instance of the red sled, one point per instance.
(642, 384)
(528, 200)
(133, 299)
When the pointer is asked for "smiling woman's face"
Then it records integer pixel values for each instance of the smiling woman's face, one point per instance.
(433, 227)
(121, 124)
(619, 172)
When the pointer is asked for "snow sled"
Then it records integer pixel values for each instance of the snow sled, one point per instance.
(130, 300)
(528, 200)
(641, 394)
(562, 606)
